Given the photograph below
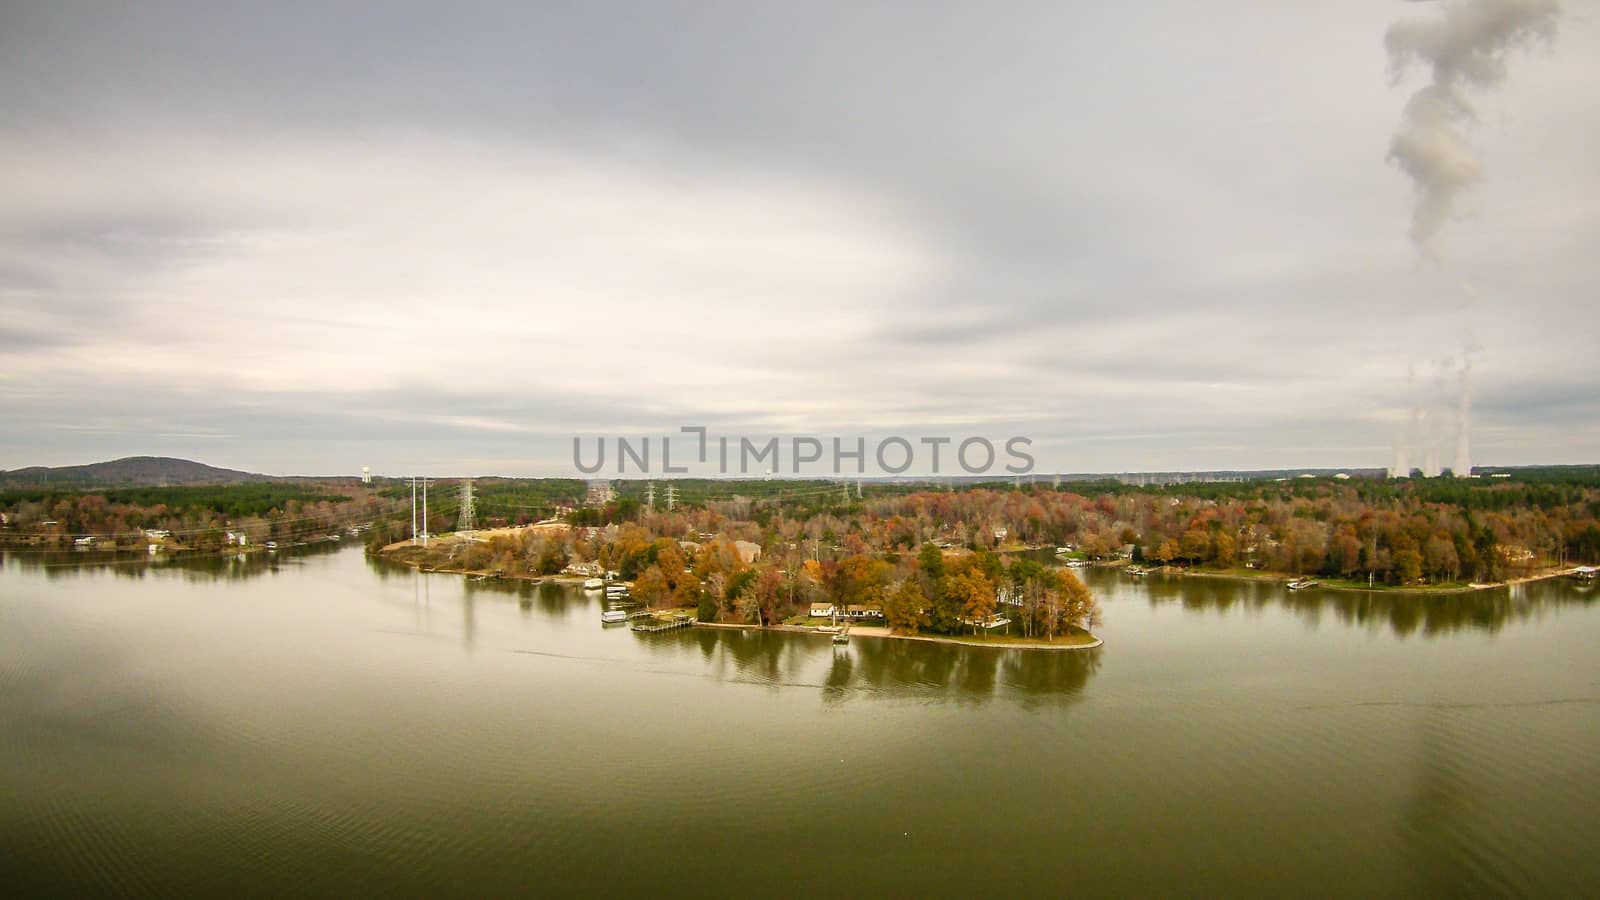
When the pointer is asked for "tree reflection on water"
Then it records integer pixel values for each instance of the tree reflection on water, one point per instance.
(1403, 614)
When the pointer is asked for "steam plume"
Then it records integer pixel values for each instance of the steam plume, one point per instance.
(1463, 48)
(1463, 466)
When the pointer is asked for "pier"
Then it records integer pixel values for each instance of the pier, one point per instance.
(669, 625)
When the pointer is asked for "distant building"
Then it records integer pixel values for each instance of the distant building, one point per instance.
(159, 534)
(822, 610)
(238, 539)
(1514, 553)
(993, 620)
(749, 551)
(84, 542)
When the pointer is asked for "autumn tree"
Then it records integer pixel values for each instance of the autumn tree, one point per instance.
(905, 609)
(969, 587)
(651, 587)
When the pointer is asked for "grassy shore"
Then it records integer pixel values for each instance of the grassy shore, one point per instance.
(1347, 584)
(1077, 639)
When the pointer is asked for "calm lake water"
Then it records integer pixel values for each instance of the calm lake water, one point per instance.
(323, 724)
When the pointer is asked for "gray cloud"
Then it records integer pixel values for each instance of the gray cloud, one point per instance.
(337, 235)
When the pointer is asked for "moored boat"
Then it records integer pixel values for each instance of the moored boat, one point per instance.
(593, 584)
(614, 616)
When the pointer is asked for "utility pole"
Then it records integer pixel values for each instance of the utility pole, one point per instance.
(465, 525)
(424, 511)
(413, 509)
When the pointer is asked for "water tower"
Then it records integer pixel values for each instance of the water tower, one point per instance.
(366, 474)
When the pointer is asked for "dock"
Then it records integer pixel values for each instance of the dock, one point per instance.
(669, 625)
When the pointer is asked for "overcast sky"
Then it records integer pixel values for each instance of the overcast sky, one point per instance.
(448, 238)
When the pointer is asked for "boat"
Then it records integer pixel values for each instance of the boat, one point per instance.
(1077, 563)
(841, 637)
(1301, 584)
(1136, 572)
(593, 584)
(612, 589)
(614, 616)
(1063, 549)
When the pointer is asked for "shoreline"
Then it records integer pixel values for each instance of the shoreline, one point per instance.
(881, 631)
(1357, 589)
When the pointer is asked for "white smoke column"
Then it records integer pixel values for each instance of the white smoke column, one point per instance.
(1434, 419)
(1407, 438)
(1463, 466)
(1463, 48)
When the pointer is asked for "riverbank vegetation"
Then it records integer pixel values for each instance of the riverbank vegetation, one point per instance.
(939, 560)
(196, 517)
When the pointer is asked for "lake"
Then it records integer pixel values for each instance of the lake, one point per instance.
(321, 723)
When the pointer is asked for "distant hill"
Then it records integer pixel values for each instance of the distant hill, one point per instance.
(132, 470)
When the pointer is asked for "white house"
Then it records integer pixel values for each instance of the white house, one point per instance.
(993, 620)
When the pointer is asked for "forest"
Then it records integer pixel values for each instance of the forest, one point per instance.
(195, 516)
(941, 560)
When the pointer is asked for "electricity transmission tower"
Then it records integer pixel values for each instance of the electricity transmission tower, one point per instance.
(650, 496)
(415, 480)
(465, 524)
(672, 496)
